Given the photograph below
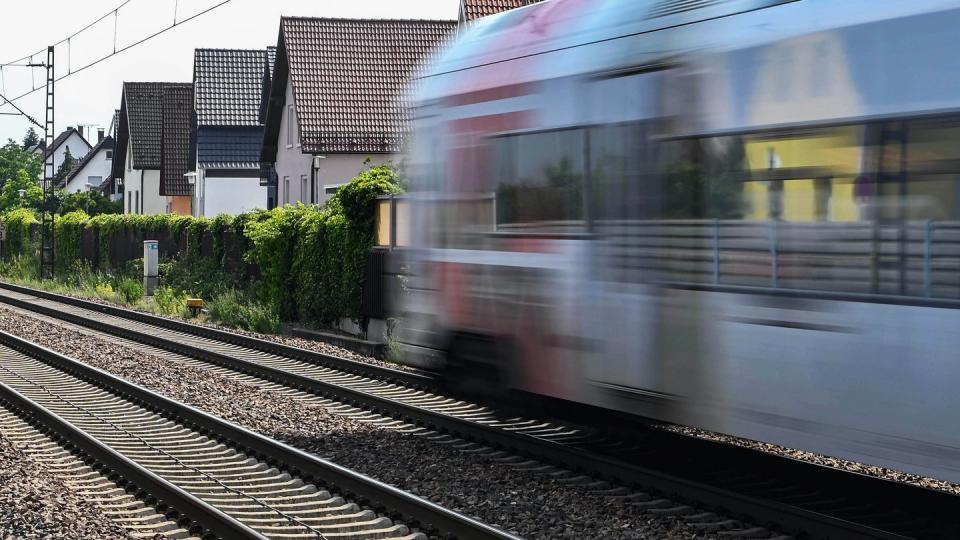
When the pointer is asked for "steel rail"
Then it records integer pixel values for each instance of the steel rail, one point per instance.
(410, 378)
(196, 511)
(789, 517)
(375, 494)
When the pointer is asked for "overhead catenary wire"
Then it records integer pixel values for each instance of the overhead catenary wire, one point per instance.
(73, 35)
(19, 110)
(127, 47)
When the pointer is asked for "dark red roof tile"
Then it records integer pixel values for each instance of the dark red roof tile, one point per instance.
(475, 9)
(348, 77)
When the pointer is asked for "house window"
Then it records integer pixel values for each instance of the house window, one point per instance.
(129, 202)
(286, 190)
(109, 154)
(289, 126)
(305, 189)
(136, 200)
(94, 181)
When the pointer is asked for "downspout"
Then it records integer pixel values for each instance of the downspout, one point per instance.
(313, 180)
(141, 190)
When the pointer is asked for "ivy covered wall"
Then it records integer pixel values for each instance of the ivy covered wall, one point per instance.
(306, 262)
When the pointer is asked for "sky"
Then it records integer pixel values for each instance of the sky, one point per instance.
(89, 97)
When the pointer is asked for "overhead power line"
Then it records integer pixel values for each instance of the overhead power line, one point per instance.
(19, 110)
(73, 35)
(116, 50)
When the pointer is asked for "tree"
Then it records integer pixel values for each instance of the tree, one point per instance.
(13, 158)
(31, 139)
(91, 202)
(10, 194)
(69, 163)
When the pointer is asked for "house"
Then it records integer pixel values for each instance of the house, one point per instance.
(153, 153)
(335, 100)
(69, 140)
(93, 169)
(229, 90)
(474, 9)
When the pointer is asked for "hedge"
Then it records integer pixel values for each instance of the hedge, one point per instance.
(310, 259)
(20, 238)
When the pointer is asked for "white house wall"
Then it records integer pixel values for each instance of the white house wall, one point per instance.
(291, 163)
(293, 166)
(341, 168)
(141, 189)
(98, 165)
(78, 149)
(231, 196)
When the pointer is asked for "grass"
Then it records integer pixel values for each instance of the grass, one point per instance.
(225, 304)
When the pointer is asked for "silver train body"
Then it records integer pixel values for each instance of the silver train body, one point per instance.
(739, 215)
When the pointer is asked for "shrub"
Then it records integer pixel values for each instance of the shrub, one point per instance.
(130, 291)
(169, 301)
(331, 256)
(68, 229)
(20, 268)
(231, 309)
(20, 239)
(273, 244)
(202, 277)
(104, 291)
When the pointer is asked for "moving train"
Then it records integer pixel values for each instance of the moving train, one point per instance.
(739, 215)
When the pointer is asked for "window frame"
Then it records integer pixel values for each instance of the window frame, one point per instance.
(290, 137)
(585, 191)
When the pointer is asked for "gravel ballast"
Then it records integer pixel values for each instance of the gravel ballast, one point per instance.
(36, 504)
(527, 503)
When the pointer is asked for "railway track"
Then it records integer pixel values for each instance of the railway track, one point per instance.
(192, 473)
(793, 496)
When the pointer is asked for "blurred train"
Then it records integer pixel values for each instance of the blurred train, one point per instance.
(740, 215)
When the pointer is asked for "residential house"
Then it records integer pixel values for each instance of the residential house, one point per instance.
(474, 9)
(94, 169)
(153, 147)
(69, 140)
(335, 100)
(229, 90)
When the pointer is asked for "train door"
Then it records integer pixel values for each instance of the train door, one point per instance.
(623, 313)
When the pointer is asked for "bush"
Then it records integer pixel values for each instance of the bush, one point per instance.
(130, 291)
(231, 309)
(331, 257)
(169, 301)
(197, 276)
(20, 241)
(68, 229)
(104, 291)
(20, 268)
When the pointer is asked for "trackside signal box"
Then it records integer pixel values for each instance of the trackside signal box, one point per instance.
(151, 266)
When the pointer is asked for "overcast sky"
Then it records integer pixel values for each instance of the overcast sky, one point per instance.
(90, 96)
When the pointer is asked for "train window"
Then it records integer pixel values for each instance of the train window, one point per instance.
(624, 163)
(539, 182)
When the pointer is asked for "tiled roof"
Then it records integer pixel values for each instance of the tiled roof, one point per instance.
(177, 127)
(229, 148)
(348, 76)
(475, 9)
(143, 104)
(271, 59)
(106, 143)
(229, 86)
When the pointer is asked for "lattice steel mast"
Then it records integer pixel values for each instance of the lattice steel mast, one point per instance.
(49, 172)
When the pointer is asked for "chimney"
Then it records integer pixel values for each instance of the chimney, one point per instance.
(100, 135)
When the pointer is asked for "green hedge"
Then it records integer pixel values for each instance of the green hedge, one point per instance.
(20, 239)
(311, 258)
